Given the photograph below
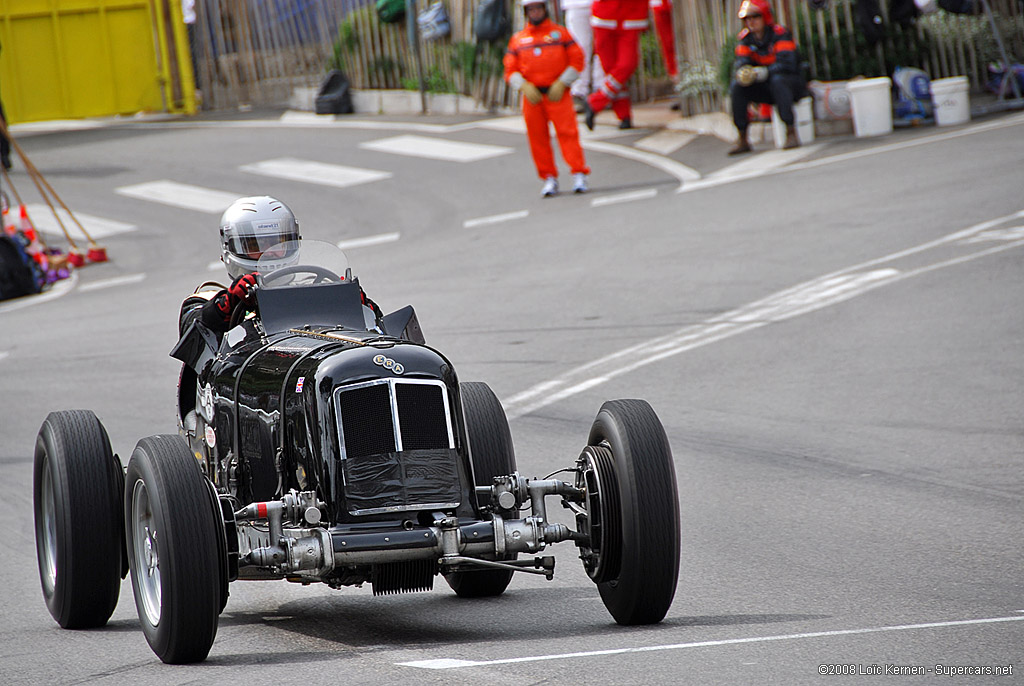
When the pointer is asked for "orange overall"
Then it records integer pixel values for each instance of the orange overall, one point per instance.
(541, 54)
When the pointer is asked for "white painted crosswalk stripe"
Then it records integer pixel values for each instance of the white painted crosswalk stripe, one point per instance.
(181, 195)
(367, 241)
(98, 227)
(309, 171)
(436, 148)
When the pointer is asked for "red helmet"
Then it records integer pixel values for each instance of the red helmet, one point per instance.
(753, 7)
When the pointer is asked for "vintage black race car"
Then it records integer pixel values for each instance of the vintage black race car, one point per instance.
(320, 443)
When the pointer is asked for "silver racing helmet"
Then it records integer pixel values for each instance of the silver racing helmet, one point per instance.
(252, 225)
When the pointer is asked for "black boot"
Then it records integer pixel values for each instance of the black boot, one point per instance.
(743, 145)
(588, 115)
(626, 123)
(792, 140)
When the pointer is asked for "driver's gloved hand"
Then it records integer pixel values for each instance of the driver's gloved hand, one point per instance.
(216, 314)
(242, 288)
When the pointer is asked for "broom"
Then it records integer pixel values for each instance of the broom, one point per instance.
(48, 258)
(95, 253)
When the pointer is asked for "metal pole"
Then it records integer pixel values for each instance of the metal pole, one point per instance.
(412, 31)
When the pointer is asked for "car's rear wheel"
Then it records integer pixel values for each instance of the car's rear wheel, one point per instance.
(177, 573)
(77, 492)
(490, 444)
(631, 512)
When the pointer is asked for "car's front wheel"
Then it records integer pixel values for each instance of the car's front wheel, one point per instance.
(172, 550)
(631, 512)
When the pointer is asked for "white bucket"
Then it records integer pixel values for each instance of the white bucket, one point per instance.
(952, 104)
(803, 119)
(871, 101)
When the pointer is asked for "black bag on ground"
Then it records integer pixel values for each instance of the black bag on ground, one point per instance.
(16, 275)
(491, 21)
(335, 96)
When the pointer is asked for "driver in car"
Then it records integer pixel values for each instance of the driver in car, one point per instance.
(248, 230)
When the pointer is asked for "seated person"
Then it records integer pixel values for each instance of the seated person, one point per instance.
(766, 70)
(248, 229)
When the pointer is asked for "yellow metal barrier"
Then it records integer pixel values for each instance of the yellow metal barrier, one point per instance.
(65, 59)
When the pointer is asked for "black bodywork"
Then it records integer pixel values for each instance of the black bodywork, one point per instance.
(369, 419)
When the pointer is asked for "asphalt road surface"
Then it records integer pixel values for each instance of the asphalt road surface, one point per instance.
(834, 343)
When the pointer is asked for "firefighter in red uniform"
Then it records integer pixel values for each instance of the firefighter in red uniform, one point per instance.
(542, 61)
(617, 28)
(766, 70)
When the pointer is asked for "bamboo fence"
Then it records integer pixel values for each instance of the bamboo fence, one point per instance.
(256, 52)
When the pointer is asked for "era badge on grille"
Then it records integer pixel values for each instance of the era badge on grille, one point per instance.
(388, 363)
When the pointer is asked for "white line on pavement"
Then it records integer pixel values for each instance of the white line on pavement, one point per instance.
(680, 171)
(436, 148)
(843, 157)
(764, 162)
(98, 227)
(624, 197)
(3, 354)
(367, 241)
(308, 171)
(447, 663)
(824, 291)
(665, 142)
(495, 219)
(108, 283)
(181, 195)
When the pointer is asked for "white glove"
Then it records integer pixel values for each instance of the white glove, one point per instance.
(760, 74)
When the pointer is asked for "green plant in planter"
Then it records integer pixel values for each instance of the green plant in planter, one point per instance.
(698, 77)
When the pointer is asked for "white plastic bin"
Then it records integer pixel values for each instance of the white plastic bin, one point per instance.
(871, 102)
(952, 104)
(803, 118)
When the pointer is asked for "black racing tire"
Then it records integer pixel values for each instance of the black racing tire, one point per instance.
(490, 444)
(170, 528)
(641, 459)
(77, 487)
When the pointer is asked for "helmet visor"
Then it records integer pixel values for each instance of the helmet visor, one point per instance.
(251, 239)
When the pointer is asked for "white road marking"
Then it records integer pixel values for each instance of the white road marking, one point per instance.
(58, 289)
(369, 240)
(109, 283)
(809, 296)
(624, 197)
(308, 171)
(3, 354)
(181, 195)
(495, 219)
(764, 162)
(447, 663)
(679, 171)
(1014, 120)
(98, 227)
(665, 142)
(1014, 233)
(436, 148)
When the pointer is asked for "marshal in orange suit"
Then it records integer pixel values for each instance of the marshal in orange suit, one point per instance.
(542, 62)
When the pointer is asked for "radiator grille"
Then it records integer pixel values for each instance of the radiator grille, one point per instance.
(398, 448)
(421, 414)
(366, 420)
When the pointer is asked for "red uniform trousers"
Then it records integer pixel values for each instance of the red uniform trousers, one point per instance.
(619, 52)
(563, 115)
(666, 35)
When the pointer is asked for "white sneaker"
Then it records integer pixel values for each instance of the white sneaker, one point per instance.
(550, 187)
(579, 183)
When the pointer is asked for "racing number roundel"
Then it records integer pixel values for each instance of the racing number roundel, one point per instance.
(388, 363)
